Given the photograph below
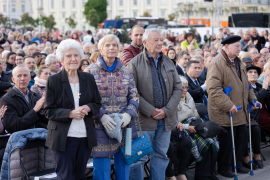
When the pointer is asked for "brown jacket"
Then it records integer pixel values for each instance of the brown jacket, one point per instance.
(221, 74)
(141, 70)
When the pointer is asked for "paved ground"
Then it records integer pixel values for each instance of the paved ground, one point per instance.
(259, 174)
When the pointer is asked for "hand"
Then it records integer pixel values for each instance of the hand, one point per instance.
(255, 42)
(257, 107)
(180, 126)
(86, 108)
(266, 82)
(160, 115)
(191, 129)
(2, 111)
(193, 41)
(249, 42)
(77, 114)
(126, 119)
(108, 122)
(233, 109)
(154, 112)
(39, 104)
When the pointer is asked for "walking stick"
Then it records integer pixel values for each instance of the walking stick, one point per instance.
(249, 125)
(227, 91)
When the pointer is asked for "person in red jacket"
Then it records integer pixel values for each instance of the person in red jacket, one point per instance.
(135, 47)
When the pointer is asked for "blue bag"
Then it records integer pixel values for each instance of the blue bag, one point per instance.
(140, 147)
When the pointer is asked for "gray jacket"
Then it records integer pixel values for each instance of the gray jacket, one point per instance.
(141, 70)
(244, 45)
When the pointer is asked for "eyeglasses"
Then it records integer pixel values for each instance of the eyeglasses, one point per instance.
(185, 88)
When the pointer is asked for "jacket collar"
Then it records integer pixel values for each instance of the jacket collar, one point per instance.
(101, 63)
(135, 46)
(228, 61)
(146, 55)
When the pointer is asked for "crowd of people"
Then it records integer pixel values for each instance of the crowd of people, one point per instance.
(86, 87)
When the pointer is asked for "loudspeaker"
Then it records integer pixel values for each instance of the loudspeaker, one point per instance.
(250, 20)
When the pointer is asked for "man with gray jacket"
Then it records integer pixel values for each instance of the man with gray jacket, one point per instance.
(160, 90)
(246, 42)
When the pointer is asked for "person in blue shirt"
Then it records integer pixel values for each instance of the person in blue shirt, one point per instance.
(31, 64)
(37, 37)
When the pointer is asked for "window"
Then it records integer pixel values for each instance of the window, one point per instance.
(135, 2)
(237, 10)
(255, 10)
(109, 2)
(135, 14)
(63, 4)
(205, 12)
(120, 2)
(162, 13)
(83, 15)
(23, 8)
(121, 14)
(191, 13)
(52, 4)
(221, 12)
(148, 2)
(63, 15)
(41, 3)
(108, 15)
(73, 3)
(13, 8)
(63, 28)
(162, 2)
(74, 15)
(4, 7)
(176, 1)
(83, 3)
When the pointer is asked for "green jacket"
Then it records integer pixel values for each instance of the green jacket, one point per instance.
(185, 44)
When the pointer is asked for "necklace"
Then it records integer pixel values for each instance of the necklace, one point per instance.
(78, 93)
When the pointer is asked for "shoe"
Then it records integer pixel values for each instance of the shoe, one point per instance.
(248, 165)
(213, 177)
(242, 170)
(226, 173)
(259, 163)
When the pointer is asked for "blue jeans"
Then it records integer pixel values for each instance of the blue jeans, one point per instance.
(102, 168)
(160, 140)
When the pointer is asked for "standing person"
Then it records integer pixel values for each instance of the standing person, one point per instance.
(43, 74)
(31, 64)
(189, 40)
(207, 38)
(5, 79)
(257, 40)
(207, 59)
(182, 61)
(225, 71)
(172, 38)
(225, 32)
(246, 42)
(11, 61)
(117, 33)
(72, 99)
(160, 90)
(136, 45)
(89, 38)
(52, 62)
(172, 55)
(119, 95)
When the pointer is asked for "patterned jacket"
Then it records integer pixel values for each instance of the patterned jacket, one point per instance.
(119, 95)
(129, 52)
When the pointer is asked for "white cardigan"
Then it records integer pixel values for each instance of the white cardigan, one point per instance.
(186, 110)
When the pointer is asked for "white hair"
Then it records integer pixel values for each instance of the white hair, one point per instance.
(183, 80)
(86, 44)
(148, 32)
(265, 65)
(5, 52)
(262, 49)
(48, 59)
(108, 38)
(20, 65)
(36, 34)
(66, 45)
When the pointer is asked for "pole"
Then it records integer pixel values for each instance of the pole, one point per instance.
(188, 16)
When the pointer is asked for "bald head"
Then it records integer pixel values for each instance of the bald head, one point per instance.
(191, 48)
(18, 68)
(264, 51)
(253, 32)
(137, 35)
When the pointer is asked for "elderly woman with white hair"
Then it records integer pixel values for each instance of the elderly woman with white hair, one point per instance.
(52, 63)
(119, 95)
(71, 101)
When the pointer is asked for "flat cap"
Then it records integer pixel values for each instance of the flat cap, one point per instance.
(247, 60)
(251, 66)
(231, 39)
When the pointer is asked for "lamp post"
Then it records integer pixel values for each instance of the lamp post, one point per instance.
(176, 18)
(40, 12)
(188, 7)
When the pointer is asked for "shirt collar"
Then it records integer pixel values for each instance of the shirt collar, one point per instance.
(27, 92)
(151, 56)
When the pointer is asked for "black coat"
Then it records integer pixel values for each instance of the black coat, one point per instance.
(179, 70)
(59, 102)
(261, 41)
(206, 39)
(194, 91)
(263, 96)
(5, 82)
(119, 35)
(20, 115)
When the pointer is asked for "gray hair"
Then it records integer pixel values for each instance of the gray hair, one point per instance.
(148, 32)
(86, 44)
(36, 34)
(108, 38)
(20, 65)
(5, 52)
(207, 56)
(262, 49)
(183, 80)
(46, 49)
(266, 64)
(182, 53)
(66, 45)
(48, 59)
(198, 50)
(198, 58)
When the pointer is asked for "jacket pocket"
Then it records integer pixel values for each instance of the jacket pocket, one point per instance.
(52, 125)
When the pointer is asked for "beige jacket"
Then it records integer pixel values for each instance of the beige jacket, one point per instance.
(221, 74)
(141, 70)
(186, 109)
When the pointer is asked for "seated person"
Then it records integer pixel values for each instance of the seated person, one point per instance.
(197, 89)
(205, 158)
(5, 80)
(261, 92)
(23, 106)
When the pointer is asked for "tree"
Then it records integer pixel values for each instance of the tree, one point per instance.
(71, 22)
(26, 20)
(171, 16)
(125, 37)
(98, 8)
(35, 22)
(92, 18)
(117, 17)
(48, 22)
(146, 14)
(5, 21)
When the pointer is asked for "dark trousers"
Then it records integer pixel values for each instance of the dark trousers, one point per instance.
(183, 154)
(225, 154)
(71, 164)
(255, 139)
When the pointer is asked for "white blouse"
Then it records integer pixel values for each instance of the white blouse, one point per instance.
(77, 127)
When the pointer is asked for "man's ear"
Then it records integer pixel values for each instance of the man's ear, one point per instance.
(13, 79)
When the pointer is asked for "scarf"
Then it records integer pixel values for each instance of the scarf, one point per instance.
(40, 82)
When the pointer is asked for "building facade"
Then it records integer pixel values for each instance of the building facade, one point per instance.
(15, 8)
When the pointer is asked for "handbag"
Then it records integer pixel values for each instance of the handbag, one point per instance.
(140, 147)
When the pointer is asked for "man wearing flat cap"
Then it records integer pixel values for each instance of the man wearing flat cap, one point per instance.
(226, 70)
